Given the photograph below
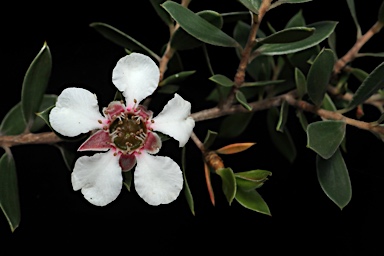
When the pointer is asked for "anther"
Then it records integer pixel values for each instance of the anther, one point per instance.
(100, 122)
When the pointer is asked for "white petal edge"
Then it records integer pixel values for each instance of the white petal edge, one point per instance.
(99, 177)
(158, 179)
(136, 76)
(174, 120)
(76, 112)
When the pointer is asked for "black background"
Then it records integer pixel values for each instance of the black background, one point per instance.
(304, 221)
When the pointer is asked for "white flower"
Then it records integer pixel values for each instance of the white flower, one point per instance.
(125, 132)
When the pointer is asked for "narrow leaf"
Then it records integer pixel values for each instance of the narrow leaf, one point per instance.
(301, 83)
(282, 117)
(69, 156)
(234, 125)
(288, 35)
(9, 193)
(209, 139)
(334, 179)
(187, 190)
(325, 137)
(13, 123)
(234, 148)
(360, 74)
(282, 141)
(168, 89)
(127, 180)
(370, 85)
(322, 30)
(182, 40)
(35, 83)
(352, 10)
(48, 101)
(252, 5)
(296, 21)
(177, 78)
(228, 183)
(242, 100)
(262, 83)
(222, 80)
(302, 119)
(209, 184)
(251, 180)
(319, 75)
(197, 26)
(252, 200)
(161, 12)
(118, 37)
(380, 16)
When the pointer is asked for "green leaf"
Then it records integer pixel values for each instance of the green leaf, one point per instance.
(288, 35)
(302, 119)
(252, 200)
(334, 179)
(251, 180)
(325, 137)
(9, 193)
(319, 75)
(127, 180)
(370, 85)
(242, 100)
(262, 83)
(169, 89)
(380, 16)
(351, 6)
(197, 26)
(296, 21)
(48, 101)
(293, 1)
(69, 156)
(182, 40)
(282, 117)
(322, 30)
(161, 12)
(361, 75)
(187, 190)
(252, 5)
(121, 39)
(235, 16)
(234, 125)
(228, 183)
(328, 103)
(222, 80)
(301, 83)
(332, 42)
(35, 83)
(209, 139)
(177, 78)
(14, 124)
(371, 54)
(282, 141)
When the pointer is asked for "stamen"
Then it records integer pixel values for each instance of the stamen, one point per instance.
(100, 122)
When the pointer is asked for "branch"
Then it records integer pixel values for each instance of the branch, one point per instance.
(29, 138)
(353, 52)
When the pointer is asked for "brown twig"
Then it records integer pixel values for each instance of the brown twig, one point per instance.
(29, 138)
(353, 52)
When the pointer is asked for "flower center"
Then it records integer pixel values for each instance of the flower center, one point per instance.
(128, 132)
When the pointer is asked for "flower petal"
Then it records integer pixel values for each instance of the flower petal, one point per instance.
(136, 76)
(158, 179)
(99, 177)
(127, 162)
(99, 141)
(174, 120)
(76, 112)
(152, 143)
